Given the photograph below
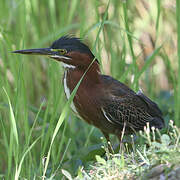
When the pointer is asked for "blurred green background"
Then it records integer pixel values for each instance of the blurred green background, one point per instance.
(135, 42)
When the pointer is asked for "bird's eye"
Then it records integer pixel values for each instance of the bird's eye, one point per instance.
(61, 51)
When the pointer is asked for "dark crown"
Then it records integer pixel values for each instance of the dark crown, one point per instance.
(71, 44)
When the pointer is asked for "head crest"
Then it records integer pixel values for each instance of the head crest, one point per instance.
(71, 44)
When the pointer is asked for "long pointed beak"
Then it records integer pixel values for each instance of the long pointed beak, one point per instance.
(41, 51)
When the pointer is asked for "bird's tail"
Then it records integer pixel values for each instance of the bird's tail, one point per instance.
(157, 122)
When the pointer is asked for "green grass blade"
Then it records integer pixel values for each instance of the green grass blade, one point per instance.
(135, 67)
(12, 118)
(18, 169)
(158, 14)
(101, 26)
(147, 63)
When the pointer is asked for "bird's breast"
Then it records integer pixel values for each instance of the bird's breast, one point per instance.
(85, 103)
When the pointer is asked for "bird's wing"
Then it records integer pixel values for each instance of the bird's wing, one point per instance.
(124, 110)
(122, 105)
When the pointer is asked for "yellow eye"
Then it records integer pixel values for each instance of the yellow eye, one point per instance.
(61, 51)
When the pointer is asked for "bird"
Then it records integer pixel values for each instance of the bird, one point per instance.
(100, 100)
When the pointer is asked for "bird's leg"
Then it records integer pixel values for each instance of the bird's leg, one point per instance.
(120, 137)
(106, 135)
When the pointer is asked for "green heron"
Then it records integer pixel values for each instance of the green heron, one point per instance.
(100, 100)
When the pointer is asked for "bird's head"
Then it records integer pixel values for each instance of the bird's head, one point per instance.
(68, 50)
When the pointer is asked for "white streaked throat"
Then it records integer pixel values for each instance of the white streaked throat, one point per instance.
(67, 91)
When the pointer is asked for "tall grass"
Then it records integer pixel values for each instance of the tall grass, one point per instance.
(177, 107)
(31, 91)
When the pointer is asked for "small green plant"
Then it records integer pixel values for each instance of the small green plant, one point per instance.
(160, 155)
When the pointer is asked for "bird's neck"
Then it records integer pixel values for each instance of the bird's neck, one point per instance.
(72, 76)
